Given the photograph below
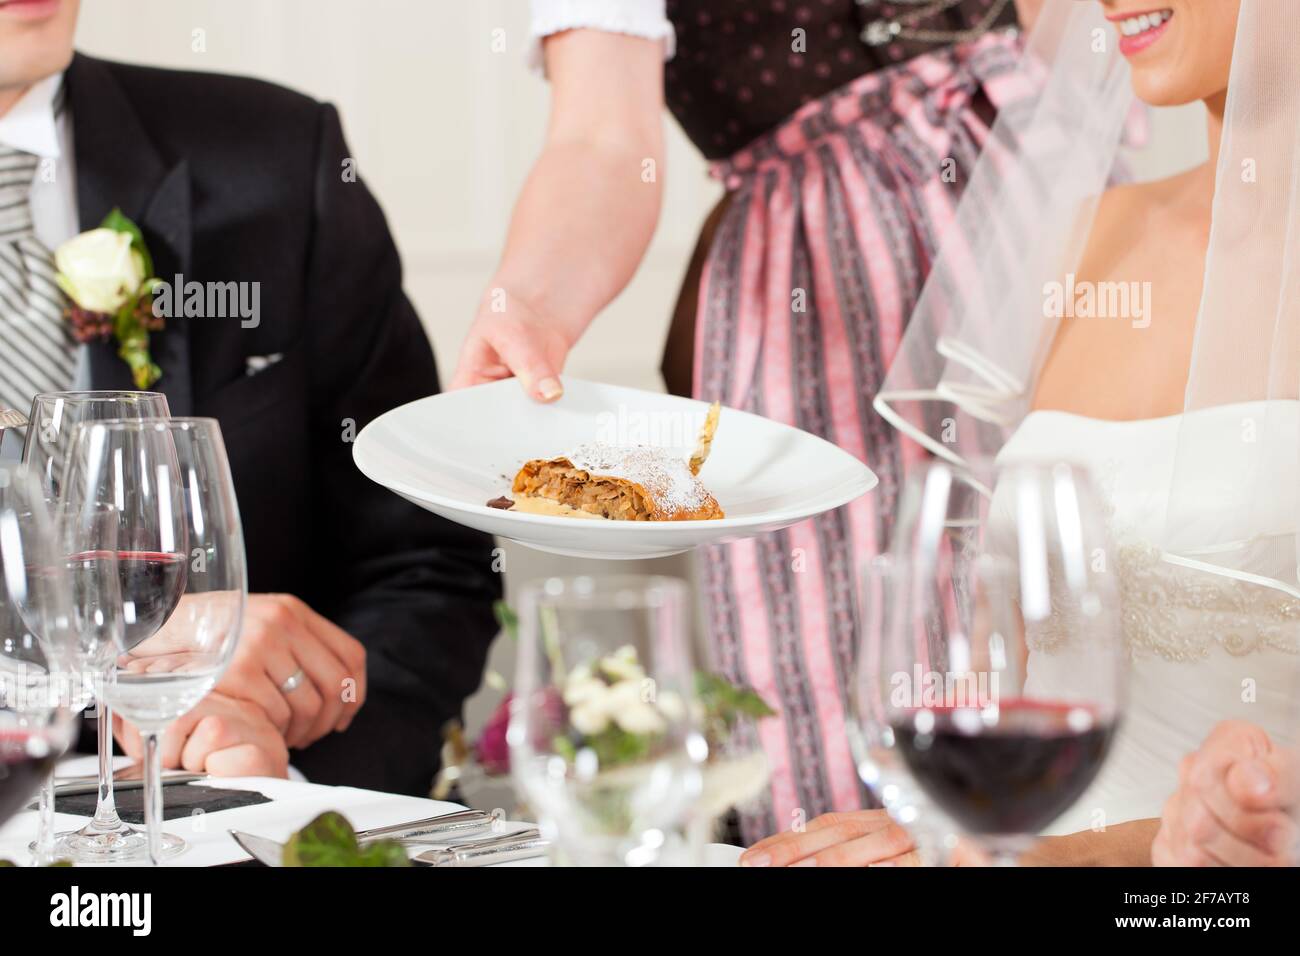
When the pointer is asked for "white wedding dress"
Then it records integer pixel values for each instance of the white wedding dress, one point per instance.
(1203, 647)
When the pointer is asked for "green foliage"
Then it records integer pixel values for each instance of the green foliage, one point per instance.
(128, 326)
(57, 863)
(118, 222)
(329, 840)
(727, 702)
(507, 619)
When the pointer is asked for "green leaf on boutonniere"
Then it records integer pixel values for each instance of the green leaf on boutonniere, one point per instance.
(129, 327)
(329, 840)
(133, 346)
(118, 222)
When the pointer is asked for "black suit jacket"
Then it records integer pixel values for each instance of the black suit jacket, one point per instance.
(233, 179)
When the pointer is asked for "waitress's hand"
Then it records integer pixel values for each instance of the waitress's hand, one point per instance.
(511, 338)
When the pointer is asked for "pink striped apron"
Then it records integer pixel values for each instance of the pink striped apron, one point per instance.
(813, 271)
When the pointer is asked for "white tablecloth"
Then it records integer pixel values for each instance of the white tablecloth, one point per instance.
(293, 804)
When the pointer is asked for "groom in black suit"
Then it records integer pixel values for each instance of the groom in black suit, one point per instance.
(370, 619)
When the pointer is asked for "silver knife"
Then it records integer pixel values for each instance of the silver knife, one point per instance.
(264, 851)
(458, 823)
(519, 845)
(444, 825)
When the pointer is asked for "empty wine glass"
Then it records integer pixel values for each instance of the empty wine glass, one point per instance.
(1004, 656)
(604, 737)
(181, 567)
(54, 419)
(36, 724)
(56, 415)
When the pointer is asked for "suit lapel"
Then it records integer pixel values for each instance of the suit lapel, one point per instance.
(119, 165)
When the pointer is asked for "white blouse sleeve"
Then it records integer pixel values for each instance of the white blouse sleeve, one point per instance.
(638, 18)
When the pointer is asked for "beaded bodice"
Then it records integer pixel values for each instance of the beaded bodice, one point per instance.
(1169, 610)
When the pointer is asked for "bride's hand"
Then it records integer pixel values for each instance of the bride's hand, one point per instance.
(857, 838)
(511, 338)
(1237, 804)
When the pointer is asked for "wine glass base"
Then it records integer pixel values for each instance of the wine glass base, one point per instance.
(94, 846)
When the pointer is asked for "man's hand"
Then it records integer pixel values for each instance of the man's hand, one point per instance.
(1237, 803)
(223, 736)
(508, 338)
(281, 636)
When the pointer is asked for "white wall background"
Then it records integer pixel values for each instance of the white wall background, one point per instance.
(444, 130)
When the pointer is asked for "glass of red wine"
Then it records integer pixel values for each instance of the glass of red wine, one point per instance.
(180, 558)
(1000, 671)
(54, 419)
(36, 634)
(870, 729)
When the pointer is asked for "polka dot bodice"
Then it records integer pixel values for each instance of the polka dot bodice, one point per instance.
(743, 66)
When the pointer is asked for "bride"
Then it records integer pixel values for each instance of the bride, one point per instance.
(1182, 402)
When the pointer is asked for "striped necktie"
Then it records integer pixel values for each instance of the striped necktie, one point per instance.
(37, 351)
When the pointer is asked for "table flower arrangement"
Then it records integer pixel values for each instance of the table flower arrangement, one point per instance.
(610, 713)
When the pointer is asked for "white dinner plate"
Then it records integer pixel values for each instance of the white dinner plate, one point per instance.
(452, 453)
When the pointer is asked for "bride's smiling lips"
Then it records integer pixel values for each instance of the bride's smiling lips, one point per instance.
(1139, 29)
(28, 9)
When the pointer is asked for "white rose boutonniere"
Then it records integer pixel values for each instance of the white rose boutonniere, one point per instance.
(99, 270)
(107, 274)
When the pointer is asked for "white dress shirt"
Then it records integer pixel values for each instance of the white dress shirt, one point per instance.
(638, 18)
(31, 126)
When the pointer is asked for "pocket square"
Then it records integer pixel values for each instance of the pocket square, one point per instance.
(260, 363)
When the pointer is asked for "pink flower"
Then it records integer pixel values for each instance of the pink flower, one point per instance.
(491, 750)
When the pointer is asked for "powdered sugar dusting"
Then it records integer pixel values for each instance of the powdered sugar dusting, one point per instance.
(663, 474)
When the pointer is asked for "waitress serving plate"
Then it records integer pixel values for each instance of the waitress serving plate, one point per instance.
(452, 453)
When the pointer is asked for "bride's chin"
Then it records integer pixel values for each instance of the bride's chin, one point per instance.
(1170, 86)
(1191, 62)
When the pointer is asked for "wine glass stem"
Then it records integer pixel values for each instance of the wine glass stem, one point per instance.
(153, 806)
(106, 817)
(45, 822)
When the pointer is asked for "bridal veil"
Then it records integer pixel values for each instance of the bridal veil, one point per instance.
(965, 373)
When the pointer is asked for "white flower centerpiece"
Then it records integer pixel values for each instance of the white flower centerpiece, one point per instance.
(608, 722)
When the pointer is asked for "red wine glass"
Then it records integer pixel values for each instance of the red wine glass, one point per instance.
(1004, 662)
(36, 636)
(54, 419)
(182, 571)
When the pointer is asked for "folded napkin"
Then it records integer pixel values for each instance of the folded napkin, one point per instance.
(180, 800)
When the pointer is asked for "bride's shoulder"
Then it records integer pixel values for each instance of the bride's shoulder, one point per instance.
(1125, 213)
(1121, 203)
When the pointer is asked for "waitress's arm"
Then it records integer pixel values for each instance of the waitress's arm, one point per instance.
(585, 215)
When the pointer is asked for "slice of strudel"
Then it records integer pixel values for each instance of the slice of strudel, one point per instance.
(622, 484)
